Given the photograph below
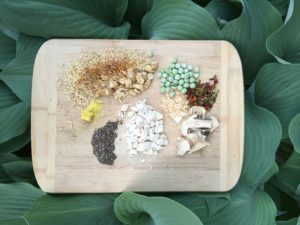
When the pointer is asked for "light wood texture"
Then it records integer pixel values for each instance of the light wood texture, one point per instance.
(62, 164)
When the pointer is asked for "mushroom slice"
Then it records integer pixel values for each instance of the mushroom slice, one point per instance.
(214, 123)
(198, 146)
(187, 124)
(200, 111)
(183, 146)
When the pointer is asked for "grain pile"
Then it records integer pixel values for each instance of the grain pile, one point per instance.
(176, 107)
(112, 72)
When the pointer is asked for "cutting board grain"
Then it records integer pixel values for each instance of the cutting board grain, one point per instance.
(62, 154)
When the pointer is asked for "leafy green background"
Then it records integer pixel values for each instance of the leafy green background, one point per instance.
(267, 36)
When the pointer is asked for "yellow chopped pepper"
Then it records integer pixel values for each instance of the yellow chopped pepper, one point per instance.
(89, 113)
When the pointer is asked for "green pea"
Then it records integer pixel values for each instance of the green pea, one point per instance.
(183, 65)
(186, 70)
(177, 65)
(162, 70)
(190, 67)
(163, 80)
(172, 65)
(186, 85)
(197, 70)
(177, 77)
(174, 71)
(159, 75)
(186, 80)
(183, 76)
(167, 83)
(173, 87)
(167, 89)
(171, 74)
(196, 75)
(181, 82)
(180, 70)
(162, 90)
(192, 80)
(193, 85)
(172, 94)
(179, 87)
(184, 90)
(170, 79)
(175, 82)
(165, 75)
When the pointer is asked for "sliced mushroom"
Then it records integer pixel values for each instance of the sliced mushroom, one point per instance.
(200, 111)
(214, 123)
(183, 146)
(193, 138)
(187, 124)
(198, 146)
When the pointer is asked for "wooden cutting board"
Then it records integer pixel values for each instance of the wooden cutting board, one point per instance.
(62, 153)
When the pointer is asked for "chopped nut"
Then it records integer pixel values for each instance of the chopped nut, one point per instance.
(139, 87)
(139, 78)
(147, 84)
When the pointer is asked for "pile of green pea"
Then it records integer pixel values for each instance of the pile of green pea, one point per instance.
(178, 76)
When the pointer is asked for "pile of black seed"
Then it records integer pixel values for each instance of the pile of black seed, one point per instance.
(103, 142)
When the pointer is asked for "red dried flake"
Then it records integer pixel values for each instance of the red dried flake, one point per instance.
(205, 94)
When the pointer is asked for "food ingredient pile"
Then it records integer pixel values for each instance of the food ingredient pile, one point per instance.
(184, 94)
(144, 129)
(112, 72)
(103, 142)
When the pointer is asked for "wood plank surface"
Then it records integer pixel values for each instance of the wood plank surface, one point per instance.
(62, 153)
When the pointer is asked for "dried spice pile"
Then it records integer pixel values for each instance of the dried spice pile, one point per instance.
(205, 94)
(113, 71)
(103, 142)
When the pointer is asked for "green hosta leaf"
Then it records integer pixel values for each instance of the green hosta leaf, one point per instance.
(134, 14)
(17, 221)
(245, 207)
(294, 132)
(179, 19)
(16, 199)
(135, 209)
(222, 11)
(7, 50)
(288, 177)
(204, 205)
(14, 121)
(20, 171)
(18, 74)
(88, 209)
(276, 89)
(4, 177)
(249, 33)
(294, 221)
(260, 143)
(284, 44)
(15, 143)
(281, 5)
(61, 19)
(110, 12)
(7, 97)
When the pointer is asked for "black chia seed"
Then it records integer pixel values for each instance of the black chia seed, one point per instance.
(103, 142)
